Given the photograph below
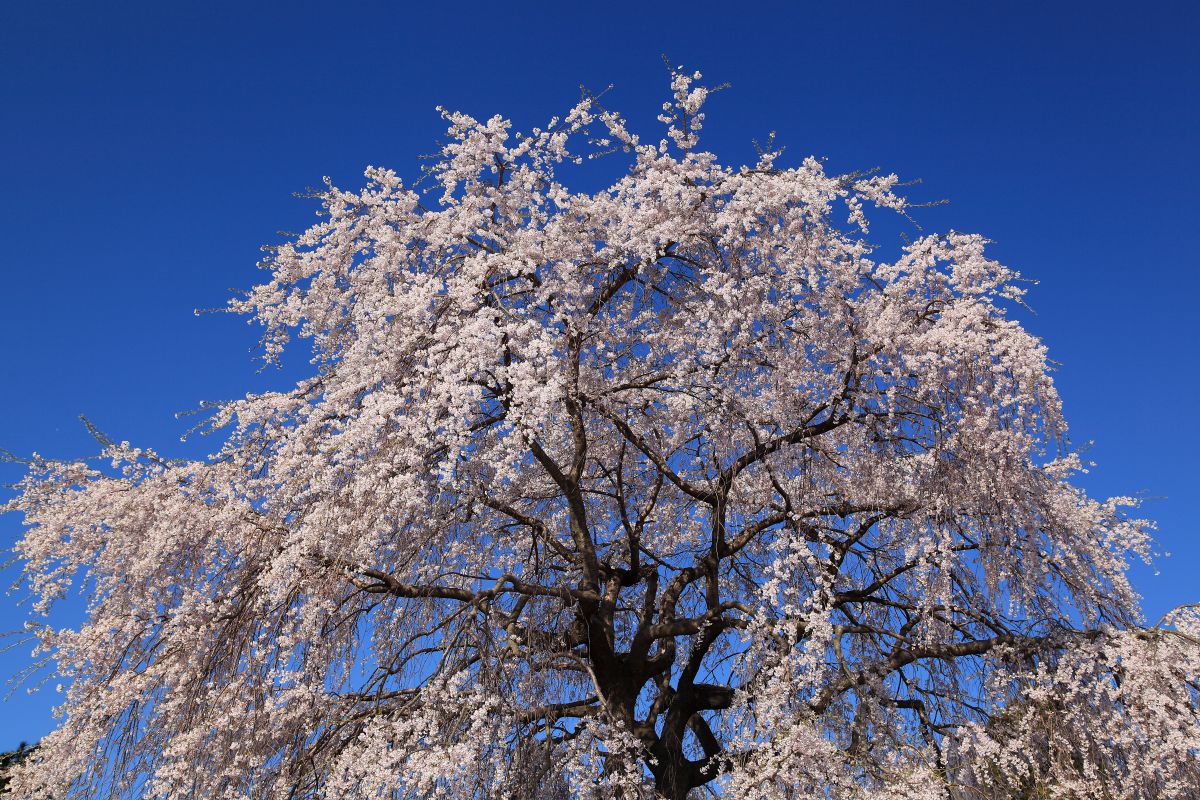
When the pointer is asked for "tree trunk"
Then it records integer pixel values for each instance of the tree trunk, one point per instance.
(673, 774)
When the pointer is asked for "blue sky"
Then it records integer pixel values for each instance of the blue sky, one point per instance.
(150, 149)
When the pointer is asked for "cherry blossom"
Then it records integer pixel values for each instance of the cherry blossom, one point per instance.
(681, 488)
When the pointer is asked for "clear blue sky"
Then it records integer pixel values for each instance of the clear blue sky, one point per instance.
(149, 149)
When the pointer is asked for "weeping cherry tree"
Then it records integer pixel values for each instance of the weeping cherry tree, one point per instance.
(681, 488)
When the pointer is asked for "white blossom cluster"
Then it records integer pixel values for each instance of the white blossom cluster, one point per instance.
(681, 488)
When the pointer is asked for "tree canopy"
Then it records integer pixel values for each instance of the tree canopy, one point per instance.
(683, 487)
